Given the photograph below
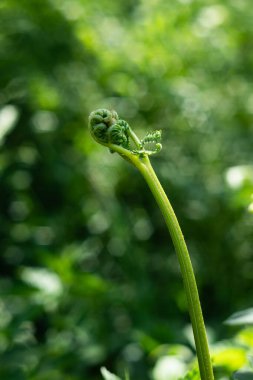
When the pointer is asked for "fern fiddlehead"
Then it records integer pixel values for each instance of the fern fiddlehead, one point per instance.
(99, 122)
(107, 129)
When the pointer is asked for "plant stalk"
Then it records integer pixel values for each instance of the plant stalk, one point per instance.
(108, 130)
(198, 326)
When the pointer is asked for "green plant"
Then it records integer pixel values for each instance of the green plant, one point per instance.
(114, 133)
(107, 375)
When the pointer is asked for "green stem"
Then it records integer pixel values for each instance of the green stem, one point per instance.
(199, 331)
(100, 122)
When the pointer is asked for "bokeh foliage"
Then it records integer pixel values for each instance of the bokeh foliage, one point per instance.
(88, 273)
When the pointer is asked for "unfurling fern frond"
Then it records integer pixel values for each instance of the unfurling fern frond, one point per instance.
(152, 137)
(107, 129)
(118, 134)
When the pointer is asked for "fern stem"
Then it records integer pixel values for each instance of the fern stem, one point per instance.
(107, 129)
(199, 331)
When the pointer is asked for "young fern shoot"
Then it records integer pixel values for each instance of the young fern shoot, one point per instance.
(107, 129)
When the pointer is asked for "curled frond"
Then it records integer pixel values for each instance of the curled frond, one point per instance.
(103, 115)
(158, 148)
(107, 129)
(152, 137)
(118, 134)
(99, 123)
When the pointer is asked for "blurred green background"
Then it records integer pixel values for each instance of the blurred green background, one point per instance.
(89, 277)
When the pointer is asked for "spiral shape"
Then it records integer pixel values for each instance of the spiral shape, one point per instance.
(106, 127)
(118, 133)
(152, 137)
(103, 116)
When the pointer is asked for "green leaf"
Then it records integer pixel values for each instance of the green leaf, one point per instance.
(108, 375)
(244, 317)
